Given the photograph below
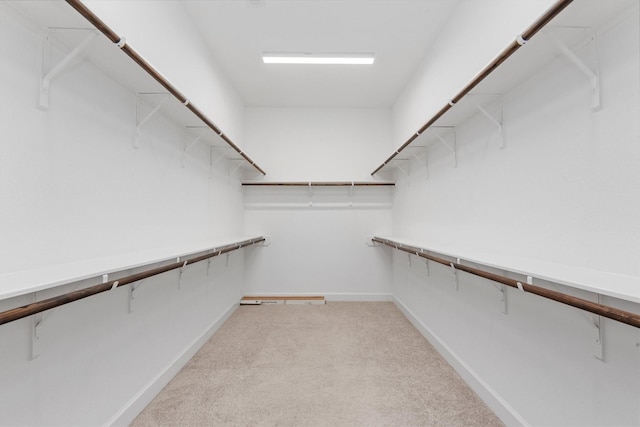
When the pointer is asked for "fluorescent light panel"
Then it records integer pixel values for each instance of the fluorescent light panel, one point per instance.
(319, 58)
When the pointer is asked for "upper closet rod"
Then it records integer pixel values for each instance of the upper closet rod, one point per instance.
(506, 53)
(121, 43)
(321, 184)
(623, 316)
(40, 306)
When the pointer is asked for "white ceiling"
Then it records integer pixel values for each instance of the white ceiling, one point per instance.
(399, 32)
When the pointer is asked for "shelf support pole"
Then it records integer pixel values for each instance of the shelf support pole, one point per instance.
(592, 76)
(141, 122)
(47, 76)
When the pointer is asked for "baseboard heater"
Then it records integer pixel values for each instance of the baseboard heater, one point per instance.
(251, 300)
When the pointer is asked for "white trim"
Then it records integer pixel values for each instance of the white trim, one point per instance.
(502, 409)
(359, 297)
(144, 396)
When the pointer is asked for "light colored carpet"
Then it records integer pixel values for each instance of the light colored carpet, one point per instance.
(339, 364)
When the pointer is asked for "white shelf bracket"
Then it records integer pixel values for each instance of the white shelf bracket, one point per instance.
(36, 321)
(187, 145)
(182, 269)
(426, 265)
(595, 321)
(351, 194)
(310, 194)
(209, 266)
(455, 274)
(142, 120)
(592, 76)
(598, 351)
(397, 165)
(232, 171)
(227, 260)
(496, 121)
(452, 147)
(503, 297)
(213, 162)
(132, 296)
(425, 162)
(49, 72)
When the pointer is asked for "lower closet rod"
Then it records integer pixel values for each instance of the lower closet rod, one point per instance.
(47, 304)
(623, 316)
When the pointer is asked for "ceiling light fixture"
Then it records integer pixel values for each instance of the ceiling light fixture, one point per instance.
(319, 58)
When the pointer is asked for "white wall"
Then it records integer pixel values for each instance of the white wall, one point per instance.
(162, 32)
(318, 249)
(475, 33)
(563, 190)
(72, 188)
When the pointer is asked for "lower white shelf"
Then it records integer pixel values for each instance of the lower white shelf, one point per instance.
(28, 281)
(619, 286)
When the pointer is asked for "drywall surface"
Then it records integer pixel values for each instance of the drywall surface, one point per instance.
(72, 188)
(318, 240)
(318, 144)
(164, 35)
(456, 57)
(564, 189)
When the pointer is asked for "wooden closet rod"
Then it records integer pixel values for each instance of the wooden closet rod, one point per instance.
(627, 317)
(320, 184)
(558, 7)
(37, 307)
(115, 38)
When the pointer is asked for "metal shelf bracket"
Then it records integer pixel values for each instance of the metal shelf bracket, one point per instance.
(503, 297)
(496, 121)
(425, 162)
(396, 163)
(36, 321)
(591, 75)
(184, 266)
(48, 71)
(452, 147)
(351, 194)
(595, 322)
(187, 145)
(132, 290)
(455, 274)
(140, 121)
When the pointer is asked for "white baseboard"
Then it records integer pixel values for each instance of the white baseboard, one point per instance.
(333, 296)
(502, 409)
(140, 400)
(363, 297)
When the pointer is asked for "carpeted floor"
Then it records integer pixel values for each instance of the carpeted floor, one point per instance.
(339, 364)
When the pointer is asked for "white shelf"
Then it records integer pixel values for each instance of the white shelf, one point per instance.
(24, 282)
(63, 22)
(318, 195)
(573, 26)
(619, 286)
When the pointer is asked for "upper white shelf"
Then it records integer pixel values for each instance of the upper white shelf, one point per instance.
(24, 282)
(619, 286)
(570, 27)
(67, 28)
